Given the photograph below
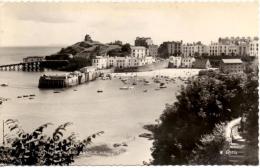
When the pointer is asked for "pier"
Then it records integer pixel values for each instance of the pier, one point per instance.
(33, 66)
(85, 75)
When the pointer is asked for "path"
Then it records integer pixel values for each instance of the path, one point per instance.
(236, 151)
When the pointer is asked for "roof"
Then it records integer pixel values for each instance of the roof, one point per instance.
(137, 47)
(232, 61)
(200, 63)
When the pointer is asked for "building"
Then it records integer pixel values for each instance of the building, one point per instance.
(33, 59)
(174, 62)
(143, 41)
(170, 48)
(231, 66)
(219, 49)
(243, 49)
(138, 51)
(193, 49)
(202, 64)
(152, 50)
(187, 62)
(100, 62)
(253, 48)
(147, 42)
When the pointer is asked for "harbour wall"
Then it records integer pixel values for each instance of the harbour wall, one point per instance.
(68, 80)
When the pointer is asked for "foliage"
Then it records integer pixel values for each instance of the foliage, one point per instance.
(37, 148)
(209, 99)
(126, 48)
(250, 125)
(208, 150)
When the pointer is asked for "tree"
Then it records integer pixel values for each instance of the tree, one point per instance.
(126, 48)
(210, 99)
(37, 148)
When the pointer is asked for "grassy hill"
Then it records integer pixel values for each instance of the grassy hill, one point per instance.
(81, 53)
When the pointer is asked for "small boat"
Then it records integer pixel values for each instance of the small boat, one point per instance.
(75, 90)
(1, 102)
(126, 87)
(134, 83)
(4, 85)
(32, 95)
(25, 95)
(99, 91)
(162, 85)
(145, 90)
(31, 98)
(56, 92)
(19, 97)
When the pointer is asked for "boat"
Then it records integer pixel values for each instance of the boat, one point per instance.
(145, 90)
(1, 102)
(31, 98)
(99, 91)
(126, 87)
(32, 95)
(162, 85)
(4, 84)
(56, 92)
(134, 83)
(25, 95)
(19, 97)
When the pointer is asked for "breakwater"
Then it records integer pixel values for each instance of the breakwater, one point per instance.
(84, 75)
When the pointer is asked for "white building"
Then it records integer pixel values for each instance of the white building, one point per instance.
(138, 51)
(187, 62)
(194, 49)
(120, 62)
(174, 62)
(253, 48)
(100, 62)
(218, 49)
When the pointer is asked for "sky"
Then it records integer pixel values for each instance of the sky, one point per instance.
(58, 24)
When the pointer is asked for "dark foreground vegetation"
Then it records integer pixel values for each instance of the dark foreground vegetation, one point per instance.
(38, 148)
(191, 130)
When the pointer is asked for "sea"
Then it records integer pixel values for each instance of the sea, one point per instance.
(121, 114)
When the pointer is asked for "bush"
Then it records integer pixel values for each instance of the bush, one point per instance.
(37, 148)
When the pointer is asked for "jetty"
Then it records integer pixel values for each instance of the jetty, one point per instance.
(32, 63)
(84, 75)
